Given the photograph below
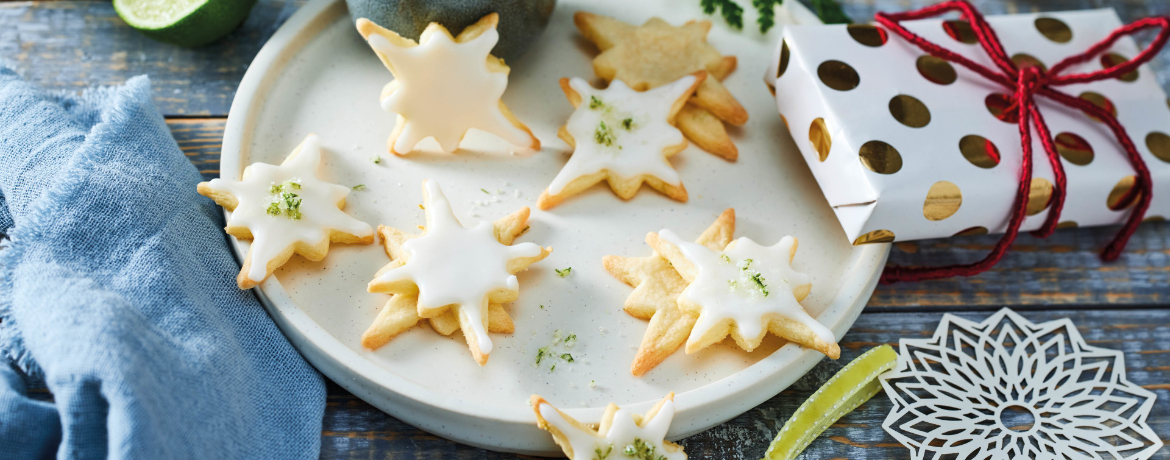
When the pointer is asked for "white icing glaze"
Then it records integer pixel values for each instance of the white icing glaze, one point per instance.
(633, 152)
(457, 266)
(445, 88)
(725, 289)
(271, 234)
(621, 433)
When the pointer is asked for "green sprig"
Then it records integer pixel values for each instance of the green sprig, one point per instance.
(830, 12)
(731, 12)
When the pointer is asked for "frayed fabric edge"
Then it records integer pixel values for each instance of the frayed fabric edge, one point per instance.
(102, 106)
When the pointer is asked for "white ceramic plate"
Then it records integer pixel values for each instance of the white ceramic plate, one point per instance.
(316, 75)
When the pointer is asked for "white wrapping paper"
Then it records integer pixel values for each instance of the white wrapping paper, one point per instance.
(937, 191)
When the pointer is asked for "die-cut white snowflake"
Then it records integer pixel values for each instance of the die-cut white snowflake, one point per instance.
(1010, 389)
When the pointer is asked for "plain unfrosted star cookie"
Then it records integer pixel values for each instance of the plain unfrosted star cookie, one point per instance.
(621, 434)
(445, 85)
(623, 137)
(744, 290)
(454, 276)
(285, 209)
(655, 297)
(657, 53)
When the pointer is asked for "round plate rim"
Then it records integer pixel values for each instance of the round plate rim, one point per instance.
(718, 401)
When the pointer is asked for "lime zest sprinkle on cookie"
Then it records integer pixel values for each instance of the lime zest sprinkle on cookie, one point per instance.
(563, 272)
(284, 201)
(376, 159)
(599, 454)
(603, 135)
(595, 103)
(641, 450)
(359, 187)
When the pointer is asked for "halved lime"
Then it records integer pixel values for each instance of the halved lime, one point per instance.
(188, 23)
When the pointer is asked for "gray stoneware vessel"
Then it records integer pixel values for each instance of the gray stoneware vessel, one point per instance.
(521, 21)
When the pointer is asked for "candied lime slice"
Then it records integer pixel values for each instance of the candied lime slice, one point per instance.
(853, 385)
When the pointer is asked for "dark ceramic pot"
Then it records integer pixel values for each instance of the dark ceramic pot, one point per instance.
(521, 21)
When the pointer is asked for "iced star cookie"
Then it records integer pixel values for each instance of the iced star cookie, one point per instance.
(454, 276)
(622, 434)
(655, 297)
(444, 85)
(744, 290)
(285, 209)
(657, 53)
(623, 137)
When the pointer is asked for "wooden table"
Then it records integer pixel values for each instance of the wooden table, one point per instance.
(69, 45)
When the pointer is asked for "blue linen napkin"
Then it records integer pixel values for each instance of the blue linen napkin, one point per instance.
(118, 290)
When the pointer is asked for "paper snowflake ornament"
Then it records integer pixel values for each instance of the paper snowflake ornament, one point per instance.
(1008, 389)
(445, 85)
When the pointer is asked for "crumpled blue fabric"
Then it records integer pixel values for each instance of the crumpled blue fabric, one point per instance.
(118, 292)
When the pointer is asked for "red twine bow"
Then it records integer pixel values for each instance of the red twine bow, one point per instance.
(1025, 84)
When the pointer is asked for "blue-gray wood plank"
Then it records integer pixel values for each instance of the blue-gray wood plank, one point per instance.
(71, 45)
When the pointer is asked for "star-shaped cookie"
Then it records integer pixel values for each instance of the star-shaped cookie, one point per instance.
(623, 137)
(621, 433)
(454, 276)
(657, 53)
(656, 288)
(444, 85)
(744, 290)
(285, 209)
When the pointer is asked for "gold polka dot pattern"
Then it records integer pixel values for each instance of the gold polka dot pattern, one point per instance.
(1116, 200)
(1039, 196)
(1054, 29)
(876, 236)
(880, 157)
(1101, 101)
(868, 35)
(1002, 107)
(838, 75)
(979, 151)
(942, 201)
(960, 31)
(972, 231)
(818, 136)
(1159, 145)
(936, 70)
(1109, 60)
(1074, 149)
(909, 111)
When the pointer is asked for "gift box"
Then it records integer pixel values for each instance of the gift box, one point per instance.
(906, 146)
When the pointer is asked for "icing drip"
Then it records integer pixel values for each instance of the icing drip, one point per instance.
(458, 267)
(622, 131)
(445, 88)
(622, 433)
(745, 283)
(316, 206)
